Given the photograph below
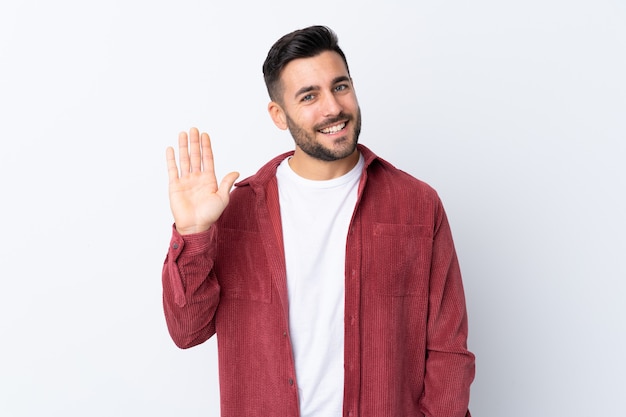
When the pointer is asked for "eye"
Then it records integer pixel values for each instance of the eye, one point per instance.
(308, 97)
(341, 87)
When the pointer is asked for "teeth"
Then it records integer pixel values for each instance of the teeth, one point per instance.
(333, 129)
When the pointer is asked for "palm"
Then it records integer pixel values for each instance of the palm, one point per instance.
(196, 199)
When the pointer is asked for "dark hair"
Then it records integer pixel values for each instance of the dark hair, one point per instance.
(302, 43)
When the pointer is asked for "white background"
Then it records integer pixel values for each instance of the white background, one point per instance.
(515, 111)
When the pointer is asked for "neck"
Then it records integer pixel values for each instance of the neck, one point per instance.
(318, 170)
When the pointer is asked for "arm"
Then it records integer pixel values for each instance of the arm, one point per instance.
(190, 289)
(449, 365)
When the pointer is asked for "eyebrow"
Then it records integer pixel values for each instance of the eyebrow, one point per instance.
(310, 88)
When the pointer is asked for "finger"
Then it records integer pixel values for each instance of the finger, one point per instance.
(207, 154)
(183, 153)
(194, 150)
(172, 169)
(227, 183)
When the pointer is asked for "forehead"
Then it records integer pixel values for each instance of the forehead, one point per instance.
(318, 71)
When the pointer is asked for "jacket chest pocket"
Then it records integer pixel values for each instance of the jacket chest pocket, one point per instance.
(241, 266)
(396, 259)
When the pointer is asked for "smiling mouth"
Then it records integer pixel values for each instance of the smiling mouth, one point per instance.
(333, 129)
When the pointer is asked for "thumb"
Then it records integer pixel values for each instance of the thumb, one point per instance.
(226, 185)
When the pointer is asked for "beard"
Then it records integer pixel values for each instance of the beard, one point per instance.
(344, 146)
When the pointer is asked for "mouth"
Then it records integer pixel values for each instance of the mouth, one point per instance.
(336, 128)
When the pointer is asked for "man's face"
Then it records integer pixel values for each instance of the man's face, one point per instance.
(320, 106)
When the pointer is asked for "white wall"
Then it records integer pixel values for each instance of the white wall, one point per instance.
(514, 111)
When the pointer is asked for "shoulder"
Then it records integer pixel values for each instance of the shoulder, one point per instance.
(384, 176)
(252, 193)
(264, 175)
(390, 195)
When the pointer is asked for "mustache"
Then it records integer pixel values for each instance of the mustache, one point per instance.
(333, 120)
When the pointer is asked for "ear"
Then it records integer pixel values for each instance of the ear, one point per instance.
(278, 115)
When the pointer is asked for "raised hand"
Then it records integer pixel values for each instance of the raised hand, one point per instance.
(196, 199)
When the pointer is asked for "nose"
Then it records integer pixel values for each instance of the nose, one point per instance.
(330, 105)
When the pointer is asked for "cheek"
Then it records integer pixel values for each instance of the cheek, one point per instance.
(350, 103)
(305, 118)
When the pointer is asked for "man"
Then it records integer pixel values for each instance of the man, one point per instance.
(330, 277)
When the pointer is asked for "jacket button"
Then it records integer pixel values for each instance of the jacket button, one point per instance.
(290, 381)
(175, 245)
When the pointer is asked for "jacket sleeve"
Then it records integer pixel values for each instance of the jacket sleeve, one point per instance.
(190, 289)
(449, 365)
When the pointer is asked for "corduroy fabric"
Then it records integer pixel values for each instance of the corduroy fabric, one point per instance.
(405, 317)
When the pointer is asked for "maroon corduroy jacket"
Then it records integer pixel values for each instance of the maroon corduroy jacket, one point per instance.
(405, 317)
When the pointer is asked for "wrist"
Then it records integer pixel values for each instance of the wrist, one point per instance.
(190, 230)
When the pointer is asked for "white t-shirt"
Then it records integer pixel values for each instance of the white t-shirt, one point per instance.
(315, 220)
